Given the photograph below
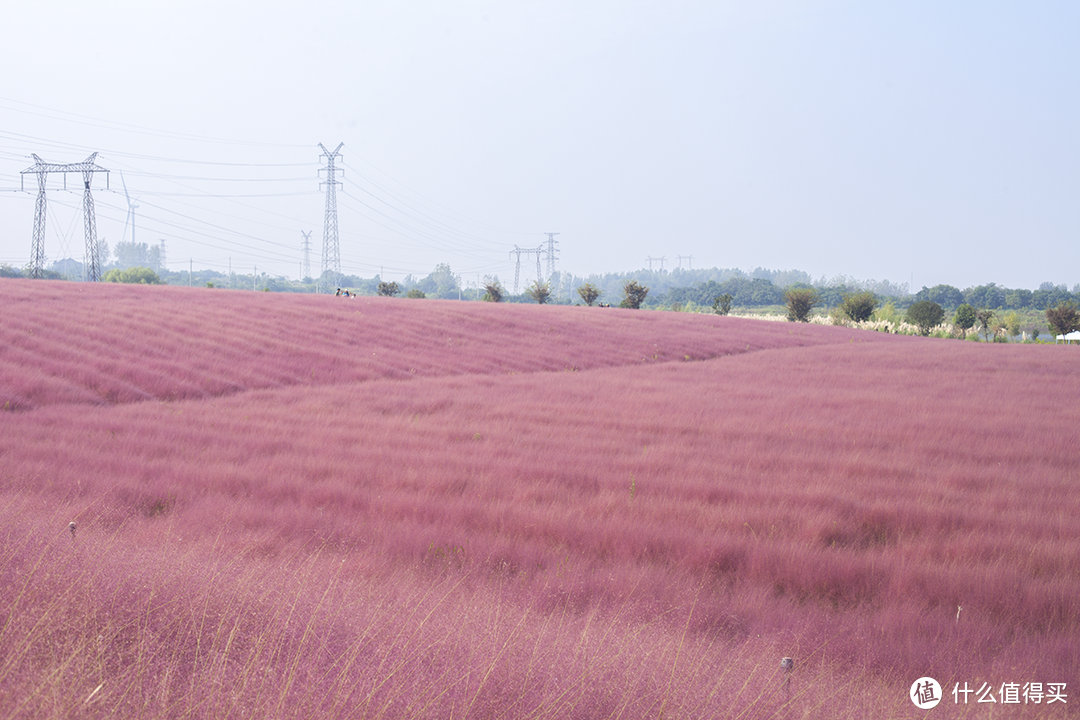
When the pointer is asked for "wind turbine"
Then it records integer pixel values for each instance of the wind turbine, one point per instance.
(130, 219)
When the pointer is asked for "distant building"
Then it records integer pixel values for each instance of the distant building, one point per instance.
(69, 268)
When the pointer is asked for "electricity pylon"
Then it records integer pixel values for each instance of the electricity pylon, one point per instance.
(552, 242)
(37, 250)
(517, 270)
(331, 257)
(307, 254)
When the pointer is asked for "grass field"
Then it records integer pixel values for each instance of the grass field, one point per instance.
(299, 506)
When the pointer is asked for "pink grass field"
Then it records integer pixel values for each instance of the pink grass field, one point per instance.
(302, 506)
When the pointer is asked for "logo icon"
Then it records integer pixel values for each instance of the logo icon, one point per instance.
(925, 693)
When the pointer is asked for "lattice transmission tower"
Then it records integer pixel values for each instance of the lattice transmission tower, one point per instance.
(538, 251)
(551, 251)
(306, 272)
(331, 257)
(91, 263)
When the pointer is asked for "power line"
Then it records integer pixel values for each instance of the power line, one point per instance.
(218, 179)
(127, 127)
(433, 221)
(442, 207)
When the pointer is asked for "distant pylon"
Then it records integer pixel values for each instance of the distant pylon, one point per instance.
(660, 260)
(517, 269)
(93, 269)
(307, 254)
(331, 257)
(552, 242)
(688, 258)
(37, 250)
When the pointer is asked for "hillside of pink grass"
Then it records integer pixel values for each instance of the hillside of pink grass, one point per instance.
(298, 506)
(64, 343)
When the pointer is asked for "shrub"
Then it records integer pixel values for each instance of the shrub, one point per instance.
(1011, 323)
(965, 317)
(1063, 318)
(800, 301)
(860, 306)
(539, 291)
(388, 289)
(495, 291)
(722, 304)
(925, 314)
(634, 294)
(135, 275)
(888, 313)
(589, 293)
(416, 294)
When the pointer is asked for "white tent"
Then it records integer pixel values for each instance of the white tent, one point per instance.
(1074, 336)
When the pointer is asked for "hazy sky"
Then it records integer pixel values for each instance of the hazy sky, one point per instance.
(937, 142)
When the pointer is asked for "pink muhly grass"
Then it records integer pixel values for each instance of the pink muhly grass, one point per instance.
(120, 343)
(647, 535)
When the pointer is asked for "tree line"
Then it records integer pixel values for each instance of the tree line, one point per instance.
(995, 297)
(677, 287)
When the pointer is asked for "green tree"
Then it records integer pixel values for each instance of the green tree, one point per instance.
(633, 295)
(416, 294)
(987, 296)
(589, 293)
(132, 254)
(860, 306)
(1049, 295)
(136, 275)
(984, 317)
(1011, 322)
(1063, 318)
(539, 291)
(925, 315)
(388, 289)
(800, 302)
(888, 313)
(495, 291)
(946, 295)
(965, 317)
(441, 283)
(1018, 298)
(722, 304)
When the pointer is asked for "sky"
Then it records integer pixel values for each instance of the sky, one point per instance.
(919, 142)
